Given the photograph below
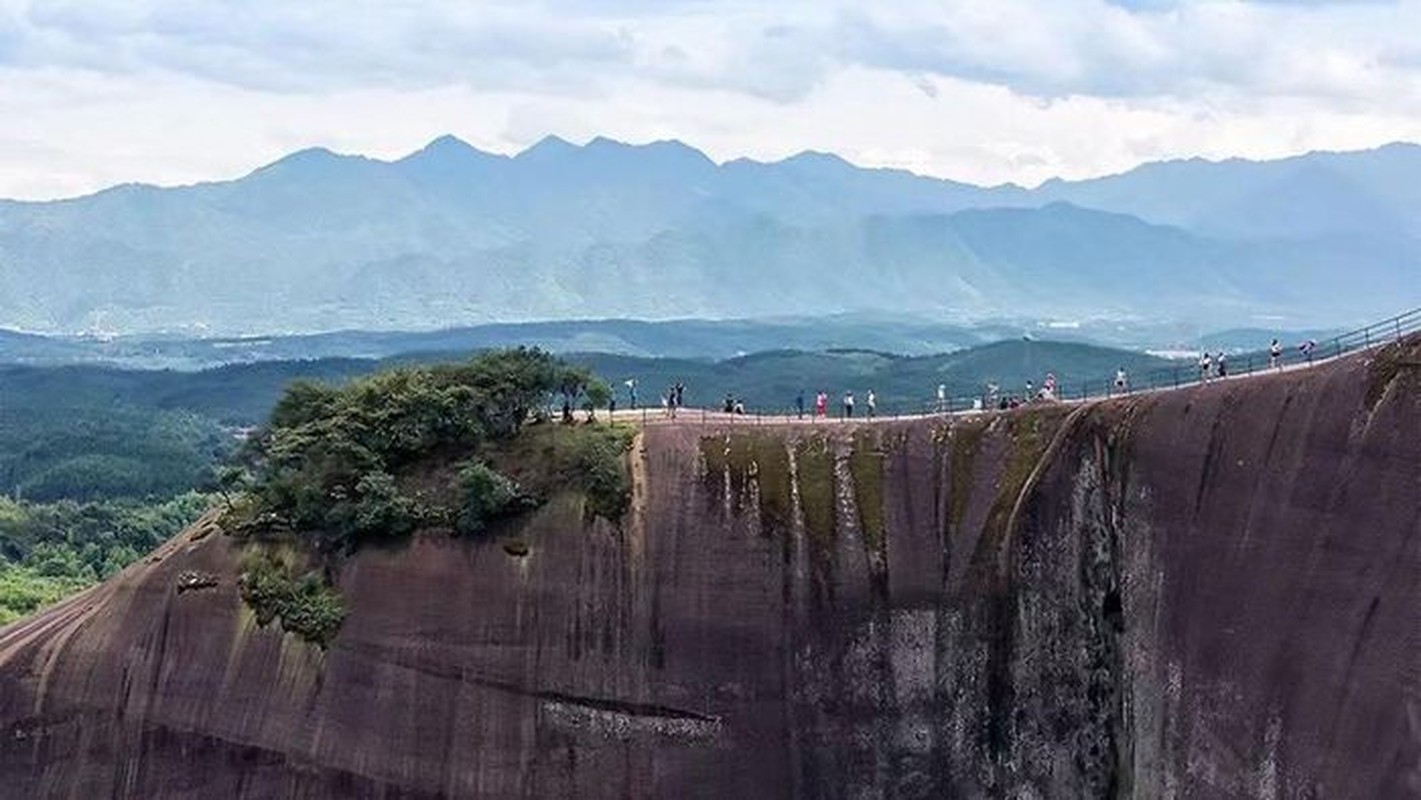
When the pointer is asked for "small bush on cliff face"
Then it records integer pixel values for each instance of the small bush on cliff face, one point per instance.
(304, 604)
(486, 495)
(603, 476)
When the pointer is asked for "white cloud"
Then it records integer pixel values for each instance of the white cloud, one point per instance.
(158, 90)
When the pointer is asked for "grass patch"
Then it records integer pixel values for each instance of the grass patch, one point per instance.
(965, 443)
(1029, 435)
(866, 467)
(758, 457)
(817, 498)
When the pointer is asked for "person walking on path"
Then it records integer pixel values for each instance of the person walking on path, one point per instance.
(680, 390)
(1275, 354)
(1307, 347)
(872, 404)
(1221, 365)
(631, 392)
(799, 404)
(1122, 382)
(1205, 366)
(941, 397)
(821, 404)
(848, 405)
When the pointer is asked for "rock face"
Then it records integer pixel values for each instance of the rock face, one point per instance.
(1205, 593)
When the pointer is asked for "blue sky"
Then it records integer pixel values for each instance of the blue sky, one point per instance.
(104, 91)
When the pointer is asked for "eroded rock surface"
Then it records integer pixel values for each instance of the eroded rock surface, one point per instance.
(1206, 593)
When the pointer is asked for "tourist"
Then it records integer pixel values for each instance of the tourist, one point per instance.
(1205, 366)
(941, 397)
(799, 404)
(1275, 354)
(872, 404)
(821, 404)
(1221, 365)
(848, 404)
(1122, 382)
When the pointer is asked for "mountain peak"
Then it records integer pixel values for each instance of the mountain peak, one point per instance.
(817, 158)
(448, 143)
(446, 148)
(310, 158)
(549, 146)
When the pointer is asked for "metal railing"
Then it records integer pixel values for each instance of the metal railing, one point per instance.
(1293, 356)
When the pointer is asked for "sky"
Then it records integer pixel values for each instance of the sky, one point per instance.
(100, 92)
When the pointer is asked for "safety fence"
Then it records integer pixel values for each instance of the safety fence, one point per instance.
(1293, 355)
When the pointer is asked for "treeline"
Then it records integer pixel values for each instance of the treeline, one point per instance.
(51, 550)
(53, 450)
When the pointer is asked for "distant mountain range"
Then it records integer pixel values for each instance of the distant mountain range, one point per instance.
(451, 235)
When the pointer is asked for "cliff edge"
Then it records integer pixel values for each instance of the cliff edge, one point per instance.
(1213, 592)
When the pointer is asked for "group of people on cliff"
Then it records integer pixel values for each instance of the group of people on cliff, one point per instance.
(1210, 365)
(847, 404)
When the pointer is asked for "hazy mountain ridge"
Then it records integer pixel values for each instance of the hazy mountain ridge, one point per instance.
(452, 235)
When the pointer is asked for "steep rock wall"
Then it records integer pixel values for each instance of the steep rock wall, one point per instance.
(1207, 593)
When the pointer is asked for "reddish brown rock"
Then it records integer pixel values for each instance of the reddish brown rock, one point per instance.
(1205, 593)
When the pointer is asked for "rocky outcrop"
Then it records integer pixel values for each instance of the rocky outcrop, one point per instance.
(1204, 593)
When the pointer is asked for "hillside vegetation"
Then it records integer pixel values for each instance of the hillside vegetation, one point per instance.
(440, 448)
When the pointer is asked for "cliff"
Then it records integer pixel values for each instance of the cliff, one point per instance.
(1204, 593)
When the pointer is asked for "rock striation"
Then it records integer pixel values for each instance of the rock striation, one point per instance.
(1206, 593)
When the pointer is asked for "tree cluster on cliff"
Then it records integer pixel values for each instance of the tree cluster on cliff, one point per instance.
(409, 448)
(340, 466)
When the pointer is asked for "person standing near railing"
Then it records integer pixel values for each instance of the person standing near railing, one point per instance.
(1275, 355)
(848, 405)
(1122, 382)
(872, 404)
(1205, 363)
(1221, 365)
(799, 404)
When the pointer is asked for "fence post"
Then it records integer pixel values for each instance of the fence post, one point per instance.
(1398, 329)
